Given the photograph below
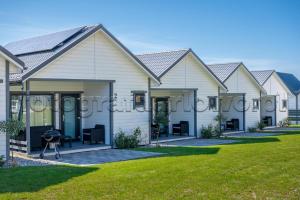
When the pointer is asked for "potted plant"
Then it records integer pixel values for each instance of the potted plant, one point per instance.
(161, 120)
(220, 121)
(12, 128)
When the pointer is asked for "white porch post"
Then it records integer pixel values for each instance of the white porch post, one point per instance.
(111, 112)
(28, 116)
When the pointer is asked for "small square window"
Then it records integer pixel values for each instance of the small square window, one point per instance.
(212, 103)
(138, 100)
(255, 104)
(284, 104)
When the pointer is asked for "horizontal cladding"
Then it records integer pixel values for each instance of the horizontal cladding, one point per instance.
(240, 82)
(98, 57)
(189, 73)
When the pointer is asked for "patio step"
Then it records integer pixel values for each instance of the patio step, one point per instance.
(172, 139)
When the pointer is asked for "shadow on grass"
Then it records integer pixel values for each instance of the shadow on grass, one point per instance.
(32, 179)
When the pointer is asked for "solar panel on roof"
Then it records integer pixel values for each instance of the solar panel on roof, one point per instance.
(41, 43)
(291, 81)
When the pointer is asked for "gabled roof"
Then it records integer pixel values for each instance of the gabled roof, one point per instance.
(8, 55)
(37, 57)
(161, 62)
(291, 82)
(263, 75)
(224, 71)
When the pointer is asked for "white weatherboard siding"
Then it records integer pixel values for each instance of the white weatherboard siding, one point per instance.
(241, 82)
(292, 102)
(3, 106)
(98, 57)
(274, 87)
(189, 73)
(181, 105)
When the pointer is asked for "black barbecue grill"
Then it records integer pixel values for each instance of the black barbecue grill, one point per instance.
(52, 138)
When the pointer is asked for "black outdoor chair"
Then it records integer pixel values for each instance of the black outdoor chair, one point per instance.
(181, 129)
(233, 124)
(94, 135)
(267, 121)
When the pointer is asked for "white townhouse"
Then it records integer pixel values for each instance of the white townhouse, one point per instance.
(76, 79)
(274, 104)
(240, 105)
(8, 63)
(294, 98)
(186, 83)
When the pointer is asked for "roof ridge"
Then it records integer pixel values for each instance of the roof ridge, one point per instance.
(265, 70)
(169, 51)
(225, 63)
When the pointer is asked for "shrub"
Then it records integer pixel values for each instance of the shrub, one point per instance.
(217, 132)
(260, 125)
(124, 141)
(207, 132)
(2, 161)
(284, 123)
(252, 129)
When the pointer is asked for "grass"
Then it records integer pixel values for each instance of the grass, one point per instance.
(254, 168)
(294, 126)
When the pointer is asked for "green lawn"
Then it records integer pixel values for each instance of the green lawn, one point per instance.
(294, 125)
(260, 168)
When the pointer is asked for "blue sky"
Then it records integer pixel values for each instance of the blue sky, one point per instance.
(264, 34)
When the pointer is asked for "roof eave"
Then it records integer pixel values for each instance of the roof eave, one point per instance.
(12, 58)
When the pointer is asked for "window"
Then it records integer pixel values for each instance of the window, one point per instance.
(284, 104)
(138, 100)
(255, 104)
(212, 103)
(40, 109)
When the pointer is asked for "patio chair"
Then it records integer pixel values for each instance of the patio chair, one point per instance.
(94, 135)
(267, 120)
(181, 129)
(233, 125)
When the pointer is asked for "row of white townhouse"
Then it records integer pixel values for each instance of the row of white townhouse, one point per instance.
(76, 79)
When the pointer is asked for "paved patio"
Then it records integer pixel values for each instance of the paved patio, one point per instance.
(250, 134)
(198, 142)
(101, 156)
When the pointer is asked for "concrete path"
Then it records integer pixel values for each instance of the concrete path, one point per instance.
(101, 156)
(250, 134)
(198, 142)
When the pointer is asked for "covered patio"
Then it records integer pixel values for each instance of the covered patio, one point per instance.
(268, 110)
(178, 107)
(232, 110)
(79, 109)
